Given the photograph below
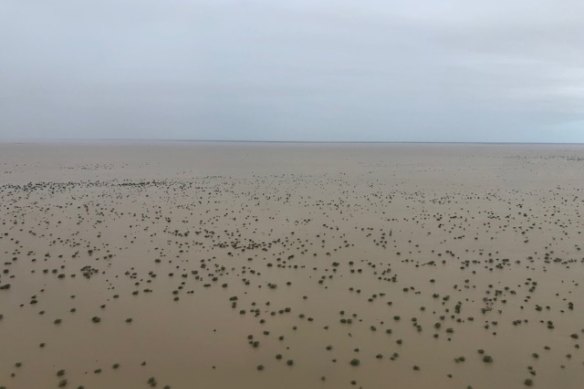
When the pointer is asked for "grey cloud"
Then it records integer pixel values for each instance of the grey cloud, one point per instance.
(293, 70)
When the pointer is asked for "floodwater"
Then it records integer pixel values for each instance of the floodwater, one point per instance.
(263, 265)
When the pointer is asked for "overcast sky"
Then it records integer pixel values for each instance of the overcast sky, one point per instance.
(367, 70)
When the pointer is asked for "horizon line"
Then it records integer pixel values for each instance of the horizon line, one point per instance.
(186, 140)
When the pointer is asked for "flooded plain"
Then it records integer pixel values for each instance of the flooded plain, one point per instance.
(263, 265)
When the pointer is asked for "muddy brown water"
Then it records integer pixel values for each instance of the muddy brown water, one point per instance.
(406, 257)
